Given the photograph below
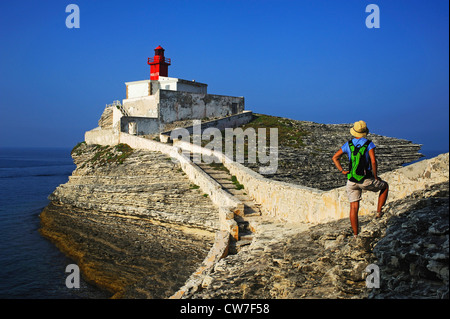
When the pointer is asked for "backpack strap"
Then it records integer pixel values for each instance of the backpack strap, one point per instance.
(353, 147)
(367, 143)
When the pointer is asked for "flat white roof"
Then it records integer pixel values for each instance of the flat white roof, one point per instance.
(137, 82)
(168, 79)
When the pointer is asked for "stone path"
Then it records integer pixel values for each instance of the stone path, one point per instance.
(325, 261)
(252, 210)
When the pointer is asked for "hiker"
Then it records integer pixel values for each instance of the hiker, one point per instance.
(362, 172)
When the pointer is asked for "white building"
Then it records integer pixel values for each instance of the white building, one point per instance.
(150, 104)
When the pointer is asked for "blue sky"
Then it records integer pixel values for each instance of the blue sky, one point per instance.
(306, 60)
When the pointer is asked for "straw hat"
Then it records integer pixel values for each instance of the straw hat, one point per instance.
(359, 129)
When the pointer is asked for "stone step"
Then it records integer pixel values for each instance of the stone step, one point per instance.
(246, 200)
(214, 172)
(236, 246)
(251, 209)
(250, 212)
(225, 182)
(243, 242)
(235, 191)
(246, 235)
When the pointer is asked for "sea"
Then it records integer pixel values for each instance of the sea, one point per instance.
(31, 267)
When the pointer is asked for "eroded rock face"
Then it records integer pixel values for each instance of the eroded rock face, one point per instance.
(106, 119)
(413, 256)
(409, 244)
(138, 229)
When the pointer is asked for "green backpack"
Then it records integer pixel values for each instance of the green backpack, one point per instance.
(359, 167)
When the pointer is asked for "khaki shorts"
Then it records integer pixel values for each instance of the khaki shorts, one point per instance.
(354, 190)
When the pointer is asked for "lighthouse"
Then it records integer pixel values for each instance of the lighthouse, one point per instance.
(152, 103)
(159, 64)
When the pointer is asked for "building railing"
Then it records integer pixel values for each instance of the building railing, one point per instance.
(158, 59)
(114, 103)
(119, 106)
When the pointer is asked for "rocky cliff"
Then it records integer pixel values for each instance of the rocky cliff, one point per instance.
(131, 220)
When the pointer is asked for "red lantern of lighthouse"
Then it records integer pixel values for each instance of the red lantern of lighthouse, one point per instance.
(159, 65)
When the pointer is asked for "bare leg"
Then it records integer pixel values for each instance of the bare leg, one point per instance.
(382, 200)
(354, 208)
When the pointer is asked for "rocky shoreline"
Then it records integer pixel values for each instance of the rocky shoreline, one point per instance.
(137, 229)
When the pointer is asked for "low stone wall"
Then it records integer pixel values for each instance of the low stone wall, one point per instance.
(217, 252)
(294, 203)
(402, 182)
(101, 136)
(231, 121)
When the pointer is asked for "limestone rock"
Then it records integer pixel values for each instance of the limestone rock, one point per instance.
(138, 228)
(414, 253)
(325, 261)
(106, 119)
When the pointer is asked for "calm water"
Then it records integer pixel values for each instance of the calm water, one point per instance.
(31, 266)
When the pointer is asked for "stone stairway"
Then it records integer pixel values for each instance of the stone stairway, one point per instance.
(252, 211)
